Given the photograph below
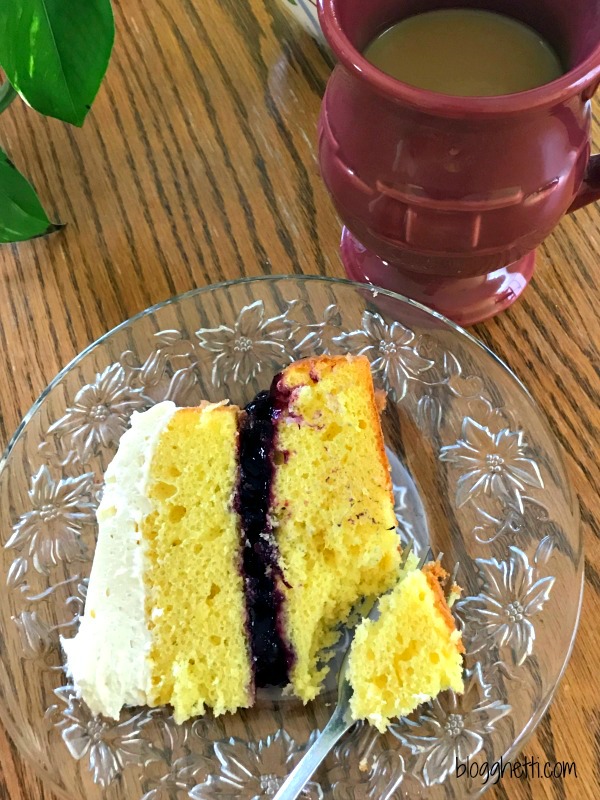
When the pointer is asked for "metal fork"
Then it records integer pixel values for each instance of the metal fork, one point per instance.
(341, 720)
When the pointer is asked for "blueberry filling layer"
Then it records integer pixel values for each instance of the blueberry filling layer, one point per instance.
(271, 654)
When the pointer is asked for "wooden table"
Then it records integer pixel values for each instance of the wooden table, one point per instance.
(197, 165)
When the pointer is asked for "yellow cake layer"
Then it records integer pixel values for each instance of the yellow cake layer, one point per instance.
(333, 510)
(407, 656)
(195, 601)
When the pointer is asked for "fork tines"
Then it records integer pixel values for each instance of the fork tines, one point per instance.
(406, 551)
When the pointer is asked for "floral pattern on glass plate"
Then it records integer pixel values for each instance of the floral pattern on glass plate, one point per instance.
(50, 532)
(492, 464)
(105, 746)
(497, 498)
(251, 345)
(248, 770)
(451, 727)
(100, 413)
(503, 612)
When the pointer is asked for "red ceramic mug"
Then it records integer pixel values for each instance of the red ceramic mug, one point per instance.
(445, 198)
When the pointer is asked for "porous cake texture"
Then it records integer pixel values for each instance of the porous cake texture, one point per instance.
(195, 604)
(332, 510)
(410, 654)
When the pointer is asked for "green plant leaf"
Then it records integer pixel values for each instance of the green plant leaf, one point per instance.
(21, 214)
(55, 52)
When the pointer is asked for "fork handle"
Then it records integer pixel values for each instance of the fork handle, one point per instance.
(306, 767)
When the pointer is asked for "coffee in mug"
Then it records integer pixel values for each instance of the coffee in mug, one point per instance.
(466, 52)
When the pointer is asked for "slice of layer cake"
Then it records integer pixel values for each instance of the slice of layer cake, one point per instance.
(232, 546)
(165, 617)
(332, 511)
(410, 654)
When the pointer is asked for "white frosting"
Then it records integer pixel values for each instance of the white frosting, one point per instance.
(107, 659)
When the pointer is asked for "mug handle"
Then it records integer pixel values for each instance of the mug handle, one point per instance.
(589, 191)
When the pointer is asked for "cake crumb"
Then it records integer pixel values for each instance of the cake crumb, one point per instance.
(380, 400)
(454, 594)
(363, 765)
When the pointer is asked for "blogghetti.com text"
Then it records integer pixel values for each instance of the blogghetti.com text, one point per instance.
(523, 769)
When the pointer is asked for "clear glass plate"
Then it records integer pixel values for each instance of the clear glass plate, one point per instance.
(477, 476)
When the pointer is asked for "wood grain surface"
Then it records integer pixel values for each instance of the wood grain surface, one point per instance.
(198, 165)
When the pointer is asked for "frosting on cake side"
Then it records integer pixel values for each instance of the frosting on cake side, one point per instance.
(107, 659)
